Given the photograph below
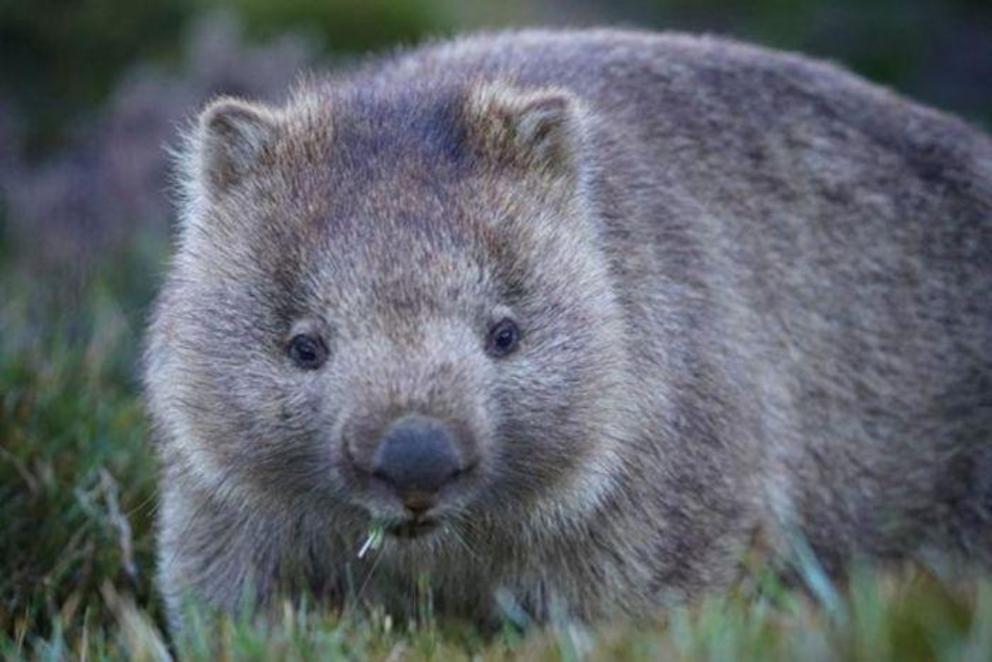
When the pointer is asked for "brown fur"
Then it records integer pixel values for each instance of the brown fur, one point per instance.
(754, 296)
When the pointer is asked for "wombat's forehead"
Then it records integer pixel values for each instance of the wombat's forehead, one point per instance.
(371, 160)
(387, 200)
(362, 135)
(405, 211)
(397, 235)
(407, 250)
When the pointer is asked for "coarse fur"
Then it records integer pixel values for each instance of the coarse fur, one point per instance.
(753, 292)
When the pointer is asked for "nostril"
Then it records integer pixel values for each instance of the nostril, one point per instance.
(419, 503)
(383, 476)
(461, 472)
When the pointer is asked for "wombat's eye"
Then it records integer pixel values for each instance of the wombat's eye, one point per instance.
(307, 352)
(504, 338)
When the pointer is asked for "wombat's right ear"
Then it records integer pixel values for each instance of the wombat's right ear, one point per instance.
(232, 138)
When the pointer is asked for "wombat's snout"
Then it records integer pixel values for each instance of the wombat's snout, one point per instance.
(417, 457)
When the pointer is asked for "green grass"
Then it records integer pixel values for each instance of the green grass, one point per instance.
(76, 536)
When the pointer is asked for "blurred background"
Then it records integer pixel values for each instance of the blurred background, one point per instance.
(93, 93)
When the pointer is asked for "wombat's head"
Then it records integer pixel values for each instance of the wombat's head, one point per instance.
(391, 307)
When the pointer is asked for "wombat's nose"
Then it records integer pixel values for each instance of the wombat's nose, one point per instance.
(416, 457)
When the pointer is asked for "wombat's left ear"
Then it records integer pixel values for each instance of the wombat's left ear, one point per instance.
(232, 138)
(534, 129)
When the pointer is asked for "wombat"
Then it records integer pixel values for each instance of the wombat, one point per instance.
(570, 318)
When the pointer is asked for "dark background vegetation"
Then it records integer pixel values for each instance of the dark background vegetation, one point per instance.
(91, 94)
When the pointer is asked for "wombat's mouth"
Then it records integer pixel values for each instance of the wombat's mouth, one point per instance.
(412, 528)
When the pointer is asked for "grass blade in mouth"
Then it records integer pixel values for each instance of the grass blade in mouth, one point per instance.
(377, 533)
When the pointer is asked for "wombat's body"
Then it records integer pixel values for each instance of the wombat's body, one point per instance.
(745, 292)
